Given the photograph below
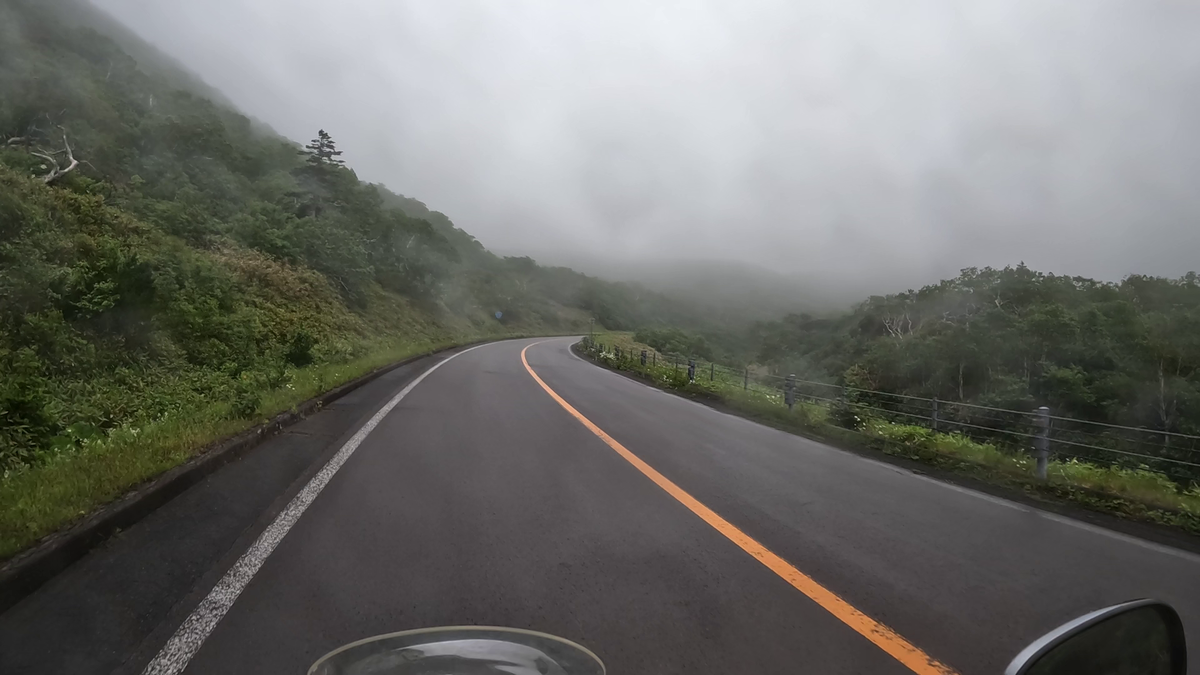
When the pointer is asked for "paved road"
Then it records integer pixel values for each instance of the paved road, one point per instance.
(480, 500)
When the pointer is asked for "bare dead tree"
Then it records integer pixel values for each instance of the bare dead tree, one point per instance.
(898, 326)
(57, 170)
(890, 324)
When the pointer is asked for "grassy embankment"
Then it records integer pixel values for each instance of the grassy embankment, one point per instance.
(1135, 493)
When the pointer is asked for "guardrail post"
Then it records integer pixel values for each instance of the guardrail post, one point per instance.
(712, 371)
(654, 359)
(746, 379)
(789, 391)
(1042, 442)
(936, 410)
(691, 370)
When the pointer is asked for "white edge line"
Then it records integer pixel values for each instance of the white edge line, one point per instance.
(188, 638)
(999, 501)
(1164, 549)
(572, 351)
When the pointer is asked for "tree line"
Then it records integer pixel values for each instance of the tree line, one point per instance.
(1126, 352)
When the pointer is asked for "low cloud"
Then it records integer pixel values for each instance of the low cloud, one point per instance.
(862, 140)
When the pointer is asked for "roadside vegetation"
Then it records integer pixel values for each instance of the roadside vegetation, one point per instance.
(1137, 492)
(1124, 353)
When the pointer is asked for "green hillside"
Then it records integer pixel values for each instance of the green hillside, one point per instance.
(1125, 353)
(170, 271)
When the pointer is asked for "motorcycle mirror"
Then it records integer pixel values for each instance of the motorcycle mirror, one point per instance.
(461, 650)
(1143, 637)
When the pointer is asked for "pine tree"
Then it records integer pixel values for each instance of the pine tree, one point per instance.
(322, 152)
(318, 176)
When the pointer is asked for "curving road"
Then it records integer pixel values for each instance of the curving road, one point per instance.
(481, 499)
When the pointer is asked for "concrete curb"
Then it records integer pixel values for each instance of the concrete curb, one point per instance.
(27, 571)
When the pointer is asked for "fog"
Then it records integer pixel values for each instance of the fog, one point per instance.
(866, 143)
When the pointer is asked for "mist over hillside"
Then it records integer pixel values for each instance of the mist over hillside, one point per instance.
(164, 256)
(845, 141)
(727, 287)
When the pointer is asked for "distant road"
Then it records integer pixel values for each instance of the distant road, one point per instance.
(481, 499)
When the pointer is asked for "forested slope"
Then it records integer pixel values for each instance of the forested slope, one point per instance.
(1125, 353)
(161, 252)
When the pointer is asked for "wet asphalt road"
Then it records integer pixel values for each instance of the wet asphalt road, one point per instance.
(480, 500)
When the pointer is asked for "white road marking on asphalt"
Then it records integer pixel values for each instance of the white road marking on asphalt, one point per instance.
(183, 645)
(999, 501)
(1121, 536)
(572, 352)
(1063, 520)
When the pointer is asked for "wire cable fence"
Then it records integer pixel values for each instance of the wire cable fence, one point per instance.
(1035, 432)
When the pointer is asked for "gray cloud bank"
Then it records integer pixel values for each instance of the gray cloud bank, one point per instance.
(867, 140)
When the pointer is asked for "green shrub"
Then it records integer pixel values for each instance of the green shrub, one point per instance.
(25, 421)
(846, 416)
(1140, 483)
(300, 348)
(248, 391)
(901, 433)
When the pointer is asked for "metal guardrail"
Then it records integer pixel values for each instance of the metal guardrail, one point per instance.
(1037, 432)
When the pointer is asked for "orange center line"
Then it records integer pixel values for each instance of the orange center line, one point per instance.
(880, 635)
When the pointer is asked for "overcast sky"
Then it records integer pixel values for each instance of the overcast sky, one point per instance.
(899, 141)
